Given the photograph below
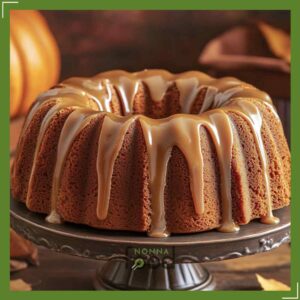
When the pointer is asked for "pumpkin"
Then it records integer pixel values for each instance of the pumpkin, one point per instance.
(34, 59)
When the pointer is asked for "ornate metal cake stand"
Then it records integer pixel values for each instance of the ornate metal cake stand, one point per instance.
(134, 261)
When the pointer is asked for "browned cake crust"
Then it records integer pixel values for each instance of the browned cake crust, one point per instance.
(130, 196)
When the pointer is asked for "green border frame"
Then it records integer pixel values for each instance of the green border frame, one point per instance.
(291, 5)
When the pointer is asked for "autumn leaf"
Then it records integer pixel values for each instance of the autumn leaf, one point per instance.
(17, 265)
(19, 285)
(278, 40)
(271, 284)
(22, 249)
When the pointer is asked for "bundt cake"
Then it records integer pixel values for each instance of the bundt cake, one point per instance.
(153, 152)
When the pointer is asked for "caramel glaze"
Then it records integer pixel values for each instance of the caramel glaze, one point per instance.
(89, 97)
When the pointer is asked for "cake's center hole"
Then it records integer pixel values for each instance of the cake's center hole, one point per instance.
(173, 102)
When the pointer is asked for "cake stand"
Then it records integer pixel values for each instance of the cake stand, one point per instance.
(133, 261)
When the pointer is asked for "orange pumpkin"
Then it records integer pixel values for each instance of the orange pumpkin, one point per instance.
(34, 59)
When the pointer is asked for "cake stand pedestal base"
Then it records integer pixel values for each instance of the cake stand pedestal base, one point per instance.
(118, 275)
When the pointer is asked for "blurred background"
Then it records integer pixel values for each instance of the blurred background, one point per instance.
(95, 41)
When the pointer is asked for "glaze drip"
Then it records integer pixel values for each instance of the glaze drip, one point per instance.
(252, 114)
(86, 97)
(76, 121)
(219, 125)
(110, 142)
(174, 132)
(67, 103)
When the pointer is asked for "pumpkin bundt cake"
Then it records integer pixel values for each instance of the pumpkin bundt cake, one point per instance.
(153, 152)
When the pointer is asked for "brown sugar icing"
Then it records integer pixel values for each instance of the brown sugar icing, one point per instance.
(89, 97)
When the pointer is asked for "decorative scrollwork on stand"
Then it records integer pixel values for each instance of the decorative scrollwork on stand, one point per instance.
(267, 244)
(36, 235)
(230, 255)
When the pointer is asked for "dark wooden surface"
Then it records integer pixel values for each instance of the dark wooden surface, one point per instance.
(65, 272)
